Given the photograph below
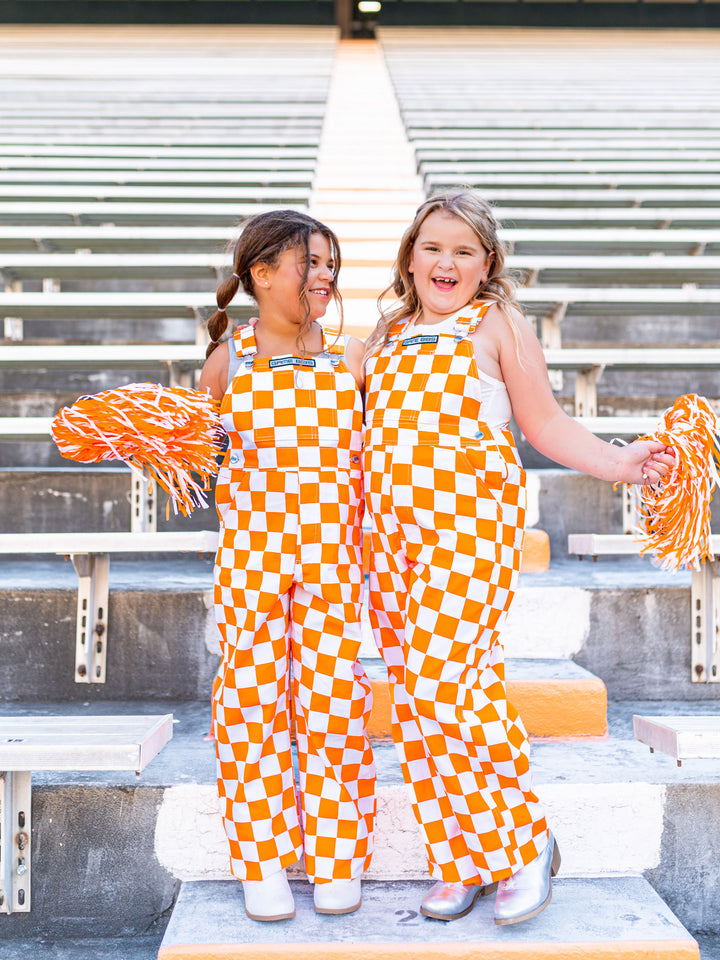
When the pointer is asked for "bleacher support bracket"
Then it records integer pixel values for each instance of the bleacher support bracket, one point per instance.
(92, 616)
(15, 834)
(143, 503)
(705, 594)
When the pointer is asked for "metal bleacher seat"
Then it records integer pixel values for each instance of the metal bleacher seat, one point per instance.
(104, 153)
(134, 172)
(138, 843)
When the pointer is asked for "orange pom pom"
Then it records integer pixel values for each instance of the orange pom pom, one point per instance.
(168, 432)
(675, 515)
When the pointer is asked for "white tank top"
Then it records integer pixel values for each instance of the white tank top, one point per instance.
(496, 409)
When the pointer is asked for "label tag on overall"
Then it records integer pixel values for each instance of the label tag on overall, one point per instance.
(415, 341)
(291, 362)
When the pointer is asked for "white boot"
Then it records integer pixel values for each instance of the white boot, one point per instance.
(337, 896)
(269, 899)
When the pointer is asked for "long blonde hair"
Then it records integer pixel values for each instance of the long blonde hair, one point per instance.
(499, 286)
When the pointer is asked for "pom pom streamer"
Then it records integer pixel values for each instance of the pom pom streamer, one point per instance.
(675, 514)
(170, 433)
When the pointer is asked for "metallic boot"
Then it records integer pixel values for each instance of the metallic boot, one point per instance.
(337, 896)
(269, 899)
(448, 901)
(528, 891)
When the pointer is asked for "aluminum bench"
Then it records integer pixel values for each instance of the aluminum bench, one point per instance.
(80, 212)
(90, 556)
(705, 596)
(37, 743)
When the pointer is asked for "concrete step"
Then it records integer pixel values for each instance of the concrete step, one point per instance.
(620, 618)
(110, 849)
(75, 498)
(146, 948)
(618, 390)
(162, 642)
(109, 948)
(632, 921)
(555, 698)
(34, 402)
(78, 497)
(624, 319)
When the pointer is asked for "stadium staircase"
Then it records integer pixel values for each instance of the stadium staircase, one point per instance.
(128, 156)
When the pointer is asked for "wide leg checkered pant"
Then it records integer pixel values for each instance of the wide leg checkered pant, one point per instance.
(288, 589)
(447, 536)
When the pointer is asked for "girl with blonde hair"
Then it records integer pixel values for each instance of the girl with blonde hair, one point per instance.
(445, 370)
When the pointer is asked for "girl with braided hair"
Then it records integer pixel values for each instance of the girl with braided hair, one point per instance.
(288, 575)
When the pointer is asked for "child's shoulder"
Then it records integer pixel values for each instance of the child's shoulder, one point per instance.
(354, 347)
(499, 315)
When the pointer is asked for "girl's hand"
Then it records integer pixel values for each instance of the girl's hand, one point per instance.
(645, 462)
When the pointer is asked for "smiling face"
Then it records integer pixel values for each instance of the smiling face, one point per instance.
(283, 282)
(448, 263)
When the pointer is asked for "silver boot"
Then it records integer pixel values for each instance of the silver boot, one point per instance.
(527, 892)
(448, 901)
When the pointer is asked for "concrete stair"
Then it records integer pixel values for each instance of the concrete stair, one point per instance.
(624, 621)
(649, 820)
(170, 649)
(78, 497)
(115, 855)
(632, 922)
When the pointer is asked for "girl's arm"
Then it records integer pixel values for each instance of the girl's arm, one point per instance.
(213, 376)
(549, 429)
(354, 357)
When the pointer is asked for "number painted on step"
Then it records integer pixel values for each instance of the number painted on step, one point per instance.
(406, 916)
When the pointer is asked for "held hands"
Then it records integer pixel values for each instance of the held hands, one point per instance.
(645, 462)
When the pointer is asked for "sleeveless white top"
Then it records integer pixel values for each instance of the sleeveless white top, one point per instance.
(496, 409)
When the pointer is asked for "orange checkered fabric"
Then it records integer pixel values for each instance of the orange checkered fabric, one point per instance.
(288, 595)
(447, 499)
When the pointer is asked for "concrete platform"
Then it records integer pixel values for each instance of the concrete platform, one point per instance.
(555, 698)
(620, 618)
(648, 818)
(146, 948)
(621, 918)
(74, 496)
(115, 948)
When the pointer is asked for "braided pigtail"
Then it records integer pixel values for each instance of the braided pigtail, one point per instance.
(218, 322)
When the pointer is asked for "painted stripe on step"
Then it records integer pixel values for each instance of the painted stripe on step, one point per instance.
(549, 708)
(616, 950)
(627, 821)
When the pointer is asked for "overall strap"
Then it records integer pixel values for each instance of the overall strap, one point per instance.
(334, 343)
(468, 319)
(399, 328)
(233, 359)
(244, 339)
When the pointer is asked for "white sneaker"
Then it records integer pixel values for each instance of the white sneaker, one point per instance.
(337, 896)
(269, 899)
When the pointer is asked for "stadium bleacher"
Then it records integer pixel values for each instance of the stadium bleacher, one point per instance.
(124, 171)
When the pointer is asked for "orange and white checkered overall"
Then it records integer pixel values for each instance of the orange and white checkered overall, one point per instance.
(288, 595)
(447, 498)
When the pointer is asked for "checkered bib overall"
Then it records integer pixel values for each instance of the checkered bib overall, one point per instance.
(288, 593)
(447, 498)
